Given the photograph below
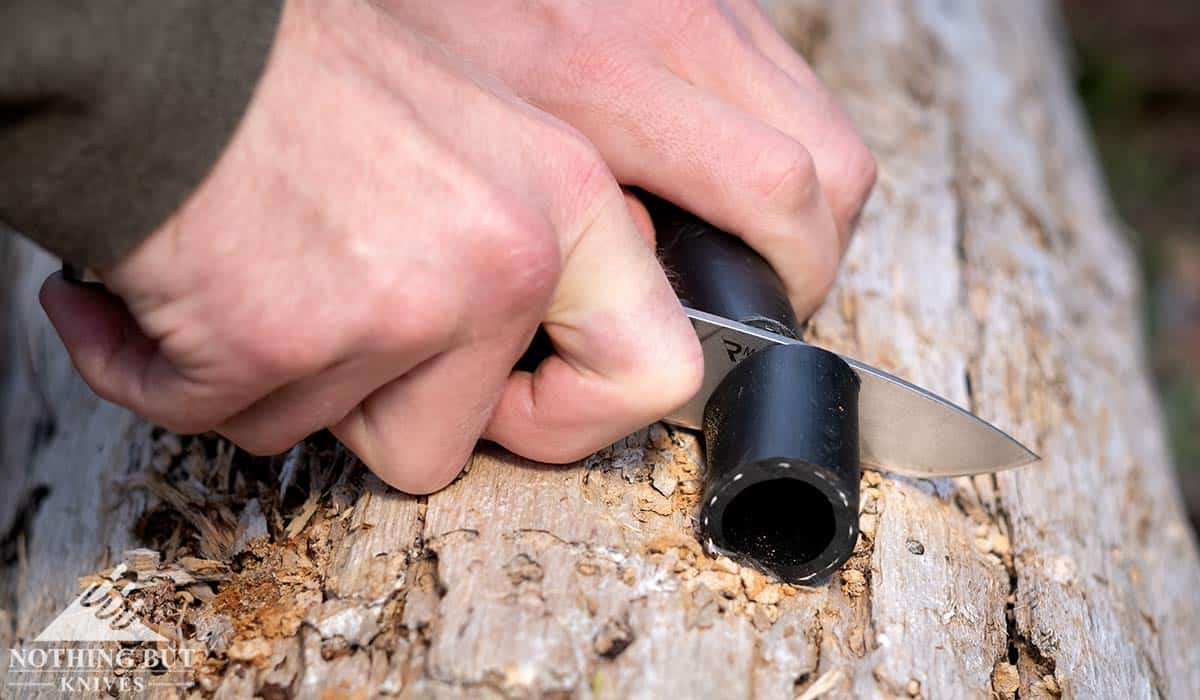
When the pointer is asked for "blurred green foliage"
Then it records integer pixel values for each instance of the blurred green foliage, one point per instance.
(1137, 128)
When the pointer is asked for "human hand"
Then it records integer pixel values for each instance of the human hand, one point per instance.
(698, 101)
(372, 253)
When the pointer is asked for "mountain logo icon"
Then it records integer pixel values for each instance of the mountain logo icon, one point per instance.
(97, 615)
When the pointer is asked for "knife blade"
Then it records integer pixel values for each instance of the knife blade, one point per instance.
(903, 428)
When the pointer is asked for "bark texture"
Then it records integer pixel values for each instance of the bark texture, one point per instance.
(988, 266)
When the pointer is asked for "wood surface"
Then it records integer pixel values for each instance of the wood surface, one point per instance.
(989, 266)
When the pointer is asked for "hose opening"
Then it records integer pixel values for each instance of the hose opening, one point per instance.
(779, 523)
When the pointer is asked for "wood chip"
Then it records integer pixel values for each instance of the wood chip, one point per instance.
(663, 480)
(665, 543)
(250, 650)
(867, 523)
(854, 583)
(207, 569)
(655, 502)
(752, 582)
(142, 559)
(770, 594)
(726, 564)
(760, 617)
(721, 582)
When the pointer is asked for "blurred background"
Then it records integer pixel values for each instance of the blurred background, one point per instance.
(1138, 65)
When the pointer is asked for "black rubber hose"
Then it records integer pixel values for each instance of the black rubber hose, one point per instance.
(781, 439)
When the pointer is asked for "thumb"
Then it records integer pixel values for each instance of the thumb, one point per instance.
(625, 353)
(100, 335)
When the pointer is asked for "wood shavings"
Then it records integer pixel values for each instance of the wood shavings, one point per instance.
(854, 583)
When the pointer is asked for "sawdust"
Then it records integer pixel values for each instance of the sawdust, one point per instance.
(270, 597)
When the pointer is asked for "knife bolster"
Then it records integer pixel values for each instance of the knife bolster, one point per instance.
(781, 438)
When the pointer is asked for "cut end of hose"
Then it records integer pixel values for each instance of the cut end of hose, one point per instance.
(781, 433)
(787, 518)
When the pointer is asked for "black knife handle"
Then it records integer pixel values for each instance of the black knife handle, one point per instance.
(715, 272)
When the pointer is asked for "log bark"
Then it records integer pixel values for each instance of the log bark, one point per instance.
(988, 266)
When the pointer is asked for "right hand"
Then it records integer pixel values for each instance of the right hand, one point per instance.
(372, 253)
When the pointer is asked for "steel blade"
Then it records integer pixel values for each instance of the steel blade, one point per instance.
(902, 428)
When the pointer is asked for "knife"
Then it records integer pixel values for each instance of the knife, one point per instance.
(903, 428)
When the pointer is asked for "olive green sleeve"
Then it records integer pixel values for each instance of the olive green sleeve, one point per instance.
(112, 111)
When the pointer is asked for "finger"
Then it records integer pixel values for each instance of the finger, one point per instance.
(734, 171)
(417, 432)
(762, 32)
(625, 353)
(123, 365)
(293, 412)
(763, 75)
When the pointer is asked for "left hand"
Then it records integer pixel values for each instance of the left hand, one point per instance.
(700, 101)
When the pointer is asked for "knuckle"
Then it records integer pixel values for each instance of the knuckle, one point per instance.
(787, 177)
(523, 252)
(419, 315)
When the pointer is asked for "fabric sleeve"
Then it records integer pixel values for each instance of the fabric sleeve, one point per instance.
(112, 111)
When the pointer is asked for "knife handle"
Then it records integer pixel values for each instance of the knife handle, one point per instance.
(715, 272)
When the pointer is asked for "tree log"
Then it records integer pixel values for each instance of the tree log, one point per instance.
(988, 266)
